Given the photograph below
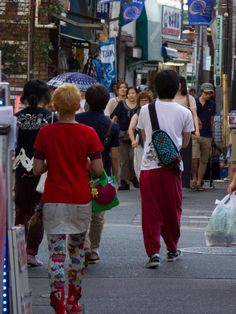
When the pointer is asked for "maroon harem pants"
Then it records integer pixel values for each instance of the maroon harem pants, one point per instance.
(161, 194)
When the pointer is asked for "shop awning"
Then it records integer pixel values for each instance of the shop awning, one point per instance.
(74, 27)
(178, 45)
(148, 31)
(143, 65)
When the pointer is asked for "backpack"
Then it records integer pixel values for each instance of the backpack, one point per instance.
(167, 152)
(90, 68)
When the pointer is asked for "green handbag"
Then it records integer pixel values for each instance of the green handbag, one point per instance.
(104, 194)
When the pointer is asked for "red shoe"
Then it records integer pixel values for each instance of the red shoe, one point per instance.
(57, 301)
(72, 304)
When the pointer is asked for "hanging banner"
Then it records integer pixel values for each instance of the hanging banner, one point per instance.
(200, 12)
(108, 53)
(131, 11)
(218, 52)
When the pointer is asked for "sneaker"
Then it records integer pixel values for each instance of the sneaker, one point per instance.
(33, 261)
(172, 257)
(124, 186)
(94, 258)
(153, 262)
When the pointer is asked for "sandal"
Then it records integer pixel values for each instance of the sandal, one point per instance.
(200, 188)
(194, 186)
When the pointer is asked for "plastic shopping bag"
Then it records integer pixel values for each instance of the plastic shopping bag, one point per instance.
(104, 195)
(41, 183)
(221, 229)
(138, 154)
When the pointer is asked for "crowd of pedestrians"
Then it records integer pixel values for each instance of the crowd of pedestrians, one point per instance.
(92, 133)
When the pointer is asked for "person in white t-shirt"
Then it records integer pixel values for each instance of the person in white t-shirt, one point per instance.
(113, 102)
(161, 188)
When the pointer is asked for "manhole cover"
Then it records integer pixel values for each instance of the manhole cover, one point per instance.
(230, 251)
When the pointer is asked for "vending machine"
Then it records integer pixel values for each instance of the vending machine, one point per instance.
(15, 292)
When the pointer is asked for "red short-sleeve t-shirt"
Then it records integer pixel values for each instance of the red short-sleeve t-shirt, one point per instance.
(66, 148)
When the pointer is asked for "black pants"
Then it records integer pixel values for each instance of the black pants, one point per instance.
(26, 198)
(186, 154)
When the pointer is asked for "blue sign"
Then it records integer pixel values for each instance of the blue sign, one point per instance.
(108, 59)
(131, 12)
(103, 11)
(200, 12)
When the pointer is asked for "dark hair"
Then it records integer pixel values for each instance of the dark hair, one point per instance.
(131, 87)
(183, 88)
(167, 84)
(121, 83)
(192, 89)
(97, 97)
(34, 92)
(143, 80)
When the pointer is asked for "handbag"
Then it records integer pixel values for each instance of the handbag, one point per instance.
(124, 137)
(103, 190)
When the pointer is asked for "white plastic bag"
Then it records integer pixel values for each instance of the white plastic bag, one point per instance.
(138, 155)
(41, 183)
(221, 229)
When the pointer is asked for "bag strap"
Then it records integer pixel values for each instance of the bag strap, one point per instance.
(108, 133)
(153, 116)
(52, 119)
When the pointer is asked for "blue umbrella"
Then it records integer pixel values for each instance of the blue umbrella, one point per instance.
(82, 81)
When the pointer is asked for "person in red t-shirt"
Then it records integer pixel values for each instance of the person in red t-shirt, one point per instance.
(63, 150)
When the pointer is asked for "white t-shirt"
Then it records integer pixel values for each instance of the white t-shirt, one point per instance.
(174, 119)
(110, 107)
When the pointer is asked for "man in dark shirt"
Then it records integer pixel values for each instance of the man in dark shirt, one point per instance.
(202, 145)
(97, 97)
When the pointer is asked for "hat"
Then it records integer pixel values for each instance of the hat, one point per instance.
(207, 87)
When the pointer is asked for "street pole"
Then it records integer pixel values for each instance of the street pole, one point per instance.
(199, 62)
(225, 108)
(0, 66)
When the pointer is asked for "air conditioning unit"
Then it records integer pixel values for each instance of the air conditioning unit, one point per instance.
(134, 52)
(169, 53)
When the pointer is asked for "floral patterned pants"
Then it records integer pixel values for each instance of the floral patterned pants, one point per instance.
(57, 256)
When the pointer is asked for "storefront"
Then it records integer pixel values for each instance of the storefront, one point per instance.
(75, 38)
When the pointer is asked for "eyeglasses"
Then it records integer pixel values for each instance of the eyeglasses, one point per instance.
(144, 100)
(208, 93)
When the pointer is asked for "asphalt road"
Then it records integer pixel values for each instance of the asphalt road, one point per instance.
(203, 281)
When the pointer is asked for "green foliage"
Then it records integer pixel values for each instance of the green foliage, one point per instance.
(11, 54)
(56, 8)
(42, 49)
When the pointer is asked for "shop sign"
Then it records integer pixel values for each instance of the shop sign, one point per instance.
(171, 21)
(103, 11)
(218, 52)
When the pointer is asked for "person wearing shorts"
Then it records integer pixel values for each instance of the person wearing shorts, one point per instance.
(201, 146)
